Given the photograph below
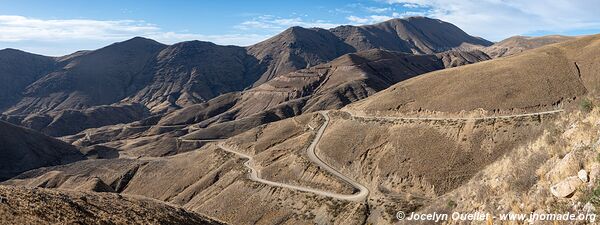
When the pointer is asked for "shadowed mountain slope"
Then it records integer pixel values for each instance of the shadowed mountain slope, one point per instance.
(19, 69)
(456, 58)
(192, 72)
(299, 48)
(328, 86)
(56, 98)
(142, 71)
(68, 122)
(164, 78)
(23, 149)
(418, 35)
(94, 78)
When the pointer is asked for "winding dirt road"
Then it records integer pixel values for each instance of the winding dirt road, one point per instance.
(363, 191)
(361, 195)
(453, 118)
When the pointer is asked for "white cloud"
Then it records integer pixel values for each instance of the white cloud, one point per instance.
(341, 10)
(273, 23)
(378, 10)
(410, 13)
(19, 28)
(356, 20)
(411, 5)
(498, 19)
(24, 29)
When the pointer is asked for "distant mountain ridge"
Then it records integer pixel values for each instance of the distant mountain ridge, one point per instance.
(164, 78)
(518, 44)
(298, 48)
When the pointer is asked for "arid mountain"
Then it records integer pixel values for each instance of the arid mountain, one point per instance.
(23, 149)
(67, 122)
(539, 79)
(214, 182)
(165, 78)
(299, 48)
(342, 126)
(518, 44)
(454, 58)
(139, 71)
(417, 35)
(66, 207)
(420, 145)
(192, 72)
(328, 86)
(93, 78)
(18, 70)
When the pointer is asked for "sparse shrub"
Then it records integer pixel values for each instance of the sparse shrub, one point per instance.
(451, 204)
(524, 175)
(586, 105)
(591, 195)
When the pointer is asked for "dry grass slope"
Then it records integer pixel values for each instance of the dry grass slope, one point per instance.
(44, 206)
(542, 78)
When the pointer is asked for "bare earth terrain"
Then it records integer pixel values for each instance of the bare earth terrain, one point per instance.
(395, 118)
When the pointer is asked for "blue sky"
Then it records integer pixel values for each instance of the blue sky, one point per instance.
(59, 27)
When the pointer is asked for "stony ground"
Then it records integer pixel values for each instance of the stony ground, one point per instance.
(557, 173)
(20, 205)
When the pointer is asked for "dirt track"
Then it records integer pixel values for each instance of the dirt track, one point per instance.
(361, 195)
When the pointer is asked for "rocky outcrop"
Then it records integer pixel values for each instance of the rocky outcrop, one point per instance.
(567, 166)
(583, 176)
(566, 187)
